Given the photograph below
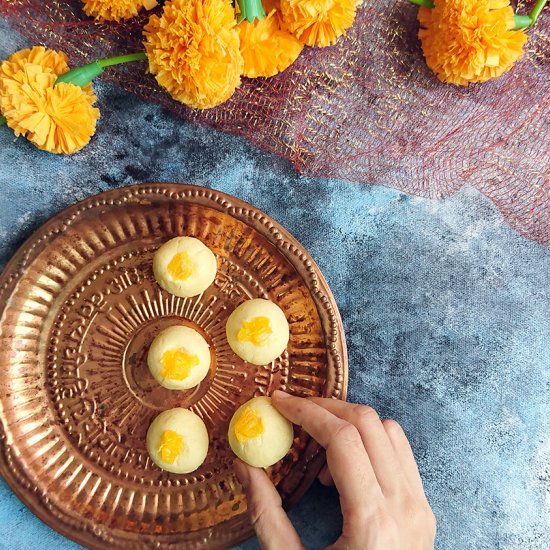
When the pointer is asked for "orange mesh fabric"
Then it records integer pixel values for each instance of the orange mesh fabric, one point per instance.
(367, 109)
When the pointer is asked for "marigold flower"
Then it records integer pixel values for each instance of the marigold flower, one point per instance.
(115, 10)
(270, 5)
(265, 47)
(469, 40)
(318, 22)
(58, 119)
(193, 50)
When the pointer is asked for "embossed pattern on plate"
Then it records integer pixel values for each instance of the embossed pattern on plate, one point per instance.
(79, 307)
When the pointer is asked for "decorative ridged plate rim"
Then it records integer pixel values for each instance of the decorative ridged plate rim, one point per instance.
(75, 526)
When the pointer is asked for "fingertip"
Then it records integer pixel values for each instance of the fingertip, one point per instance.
(242, 472)
(325, 477)
(280, 395)
(282, 401)
(264, 504)
(250, 477)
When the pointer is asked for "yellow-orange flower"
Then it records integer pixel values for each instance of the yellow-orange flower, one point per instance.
(265, 47)
(115, 10)
(58, 119)
(318, 22)
(469, 40)
(193, 50)
(270, 5)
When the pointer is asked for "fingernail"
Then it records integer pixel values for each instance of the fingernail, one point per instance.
(241, 471)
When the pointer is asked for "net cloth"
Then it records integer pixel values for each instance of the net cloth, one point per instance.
(366, 110)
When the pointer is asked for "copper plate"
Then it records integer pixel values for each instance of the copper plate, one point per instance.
(78, 309)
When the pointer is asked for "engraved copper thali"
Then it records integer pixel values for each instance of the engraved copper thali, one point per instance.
(79, 307)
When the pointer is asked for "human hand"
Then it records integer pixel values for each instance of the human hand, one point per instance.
(371, 462)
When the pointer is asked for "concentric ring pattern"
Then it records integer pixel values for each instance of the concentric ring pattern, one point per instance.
(79, 308)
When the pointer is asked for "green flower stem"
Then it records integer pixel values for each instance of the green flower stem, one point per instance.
(424, 3)
(140, 56)
(250, 10)
(537, 8)
(522, 22)
(2, 120)
(80, 76)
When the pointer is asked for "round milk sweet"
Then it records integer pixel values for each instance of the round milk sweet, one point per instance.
(184, 266)
(257, 331)
(177, 441)
(259, 434)
(179, 358)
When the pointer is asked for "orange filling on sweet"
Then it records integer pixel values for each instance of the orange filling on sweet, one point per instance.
(176, 364)
(181, 267)
(171, 446)
(256, 331)
(248, 425)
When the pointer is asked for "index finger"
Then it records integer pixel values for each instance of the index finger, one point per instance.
(346, 455)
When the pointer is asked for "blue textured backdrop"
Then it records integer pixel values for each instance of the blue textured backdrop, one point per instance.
(445, 309)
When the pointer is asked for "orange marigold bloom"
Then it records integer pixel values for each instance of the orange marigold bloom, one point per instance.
(115, 10)
(270, 5)
(265, 47)
(193, 50)
(318, 22)
(469, 40)
(58, 119)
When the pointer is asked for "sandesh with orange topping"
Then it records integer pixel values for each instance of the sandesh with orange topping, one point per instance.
(184, 266)
(257, 331)
(177, 441)
(179, 358)
(258, 434)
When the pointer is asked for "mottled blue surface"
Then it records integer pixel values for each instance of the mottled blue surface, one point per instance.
(445, 309)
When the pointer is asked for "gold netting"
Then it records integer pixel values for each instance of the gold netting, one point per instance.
(367, 109)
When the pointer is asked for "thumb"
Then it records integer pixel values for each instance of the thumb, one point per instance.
(272, 526)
